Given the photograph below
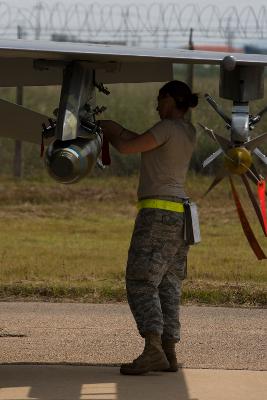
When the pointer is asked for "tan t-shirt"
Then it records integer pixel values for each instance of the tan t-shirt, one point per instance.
(163, 169)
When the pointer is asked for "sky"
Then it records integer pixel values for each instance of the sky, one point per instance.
(219, 3)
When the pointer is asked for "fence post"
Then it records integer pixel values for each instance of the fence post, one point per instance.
(17, 162)
(190, 69)
(38, 8)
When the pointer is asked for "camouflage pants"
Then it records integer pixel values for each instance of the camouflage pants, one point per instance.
(155, 269)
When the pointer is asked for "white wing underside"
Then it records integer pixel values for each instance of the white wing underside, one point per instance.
(113, 64)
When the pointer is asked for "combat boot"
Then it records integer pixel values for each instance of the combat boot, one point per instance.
(169, 349)
(153, 358)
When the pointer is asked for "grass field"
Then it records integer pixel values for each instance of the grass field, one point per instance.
(70, 242)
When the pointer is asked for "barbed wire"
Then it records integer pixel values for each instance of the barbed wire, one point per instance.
(133, 24)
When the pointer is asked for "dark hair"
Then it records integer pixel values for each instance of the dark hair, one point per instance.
(181, 93)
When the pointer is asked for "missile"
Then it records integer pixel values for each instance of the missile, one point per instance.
(69, 161)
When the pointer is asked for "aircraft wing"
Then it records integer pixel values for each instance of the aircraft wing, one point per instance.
(23, 124)
(20, 61)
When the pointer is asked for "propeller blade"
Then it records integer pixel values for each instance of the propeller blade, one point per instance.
(261, 156)
(212, 157)
(253, 143)
(218, 109)
(253, 175)
(223, 142)
(208, 131)
(219, 177)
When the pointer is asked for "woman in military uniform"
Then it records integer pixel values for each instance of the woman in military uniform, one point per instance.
(157, 254)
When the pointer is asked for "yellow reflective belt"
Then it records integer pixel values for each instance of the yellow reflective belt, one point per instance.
(162, 204)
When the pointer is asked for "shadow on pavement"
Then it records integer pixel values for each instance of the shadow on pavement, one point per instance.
(72, 382)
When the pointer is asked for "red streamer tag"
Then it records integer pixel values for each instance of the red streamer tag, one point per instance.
(261, 194)
(105, 152)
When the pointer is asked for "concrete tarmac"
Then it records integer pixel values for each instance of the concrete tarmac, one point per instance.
(222, 354)
(105, 383)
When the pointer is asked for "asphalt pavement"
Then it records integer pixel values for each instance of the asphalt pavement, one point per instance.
(222, 354)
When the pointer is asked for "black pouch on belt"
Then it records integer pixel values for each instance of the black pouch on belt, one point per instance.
(191, 226)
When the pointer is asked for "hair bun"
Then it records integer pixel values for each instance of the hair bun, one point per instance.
(182, 94)
(193, 102)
